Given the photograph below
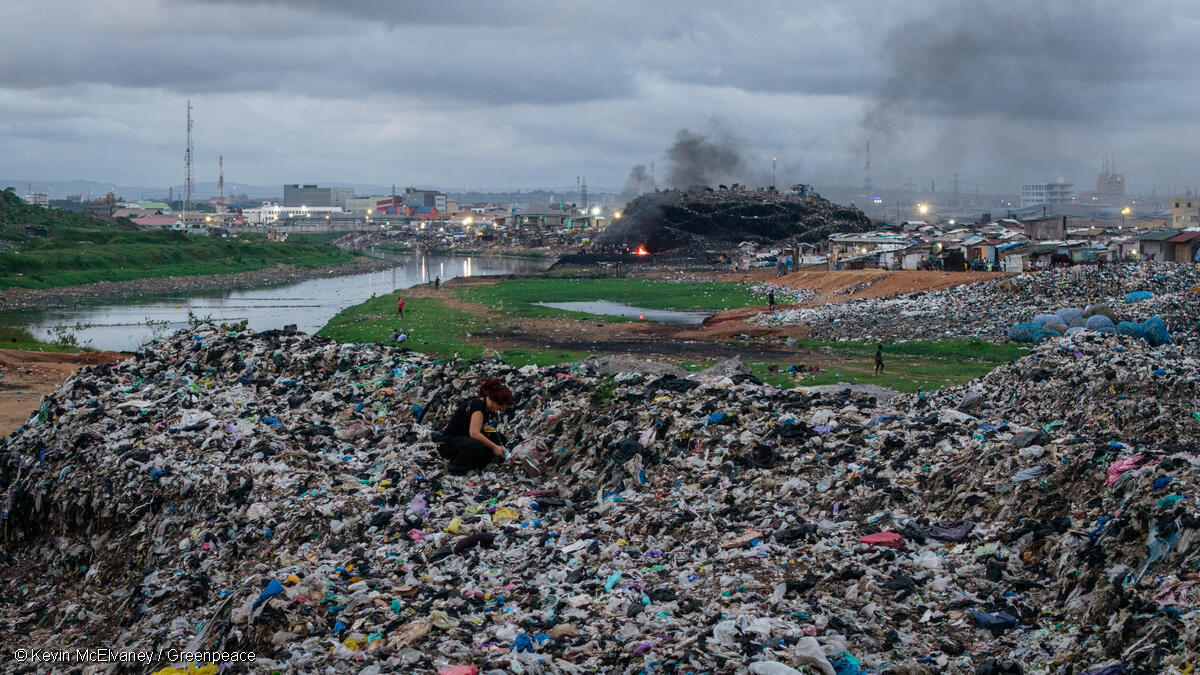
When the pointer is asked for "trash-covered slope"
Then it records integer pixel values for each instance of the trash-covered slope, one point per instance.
(281, 494)
(989, 309)
(665, 221)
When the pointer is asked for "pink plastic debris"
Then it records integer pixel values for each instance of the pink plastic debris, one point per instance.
(1121, 466)
(891, 539)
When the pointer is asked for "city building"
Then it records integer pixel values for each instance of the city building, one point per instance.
(1185, 212)
(1110, 189)
(1153, 246)
(312, 195)
(1048, 194)
(1046, 229)
(158, 222)
(271, 212)
(536, 217)
(103, 207)
(38, 199)
(415, 197)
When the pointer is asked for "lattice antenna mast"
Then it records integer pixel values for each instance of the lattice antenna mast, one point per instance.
(189, 178)
(867, 169)
(221, 183)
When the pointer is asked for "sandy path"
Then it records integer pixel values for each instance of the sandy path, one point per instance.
(25, 377)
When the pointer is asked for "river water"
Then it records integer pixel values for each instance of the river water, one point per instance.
(125, 325)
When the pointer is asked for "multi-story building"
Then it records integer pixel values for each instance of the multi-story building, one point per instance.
(37, 199)
(415, 197)
(1185, 212)
(1110, 189)
(312, 195)
(1049, 194)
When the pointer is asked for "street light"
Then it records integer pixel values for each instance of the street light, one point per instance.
(922, 208)
(1124, 212)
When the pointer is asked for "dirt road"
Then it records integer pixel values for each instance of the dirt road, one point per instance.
(27, 376)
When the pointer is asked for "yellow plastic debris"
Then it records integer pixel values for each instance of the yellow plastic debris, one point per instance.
(452, 528)
(292, 579)
(210, 669)
(504, 513)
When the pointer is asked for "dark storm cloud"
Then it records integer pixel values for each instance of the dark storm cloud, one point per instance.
(537, 91)
(1021, 60)
(433, 13)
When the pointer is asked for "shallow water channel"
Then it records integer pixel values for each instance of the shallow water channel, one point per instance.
(609, 308)
(124, 325)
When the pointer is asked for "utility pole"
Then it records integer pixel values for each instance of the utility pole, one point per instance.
(773, 183)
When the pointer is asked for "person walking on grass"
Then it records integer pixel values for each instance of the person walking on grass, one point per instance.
(437, 283)
(771, 300)
(879, 359)
(400, 307)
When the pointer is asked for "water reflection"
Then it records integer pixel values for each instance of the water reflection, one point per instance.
(124, 325)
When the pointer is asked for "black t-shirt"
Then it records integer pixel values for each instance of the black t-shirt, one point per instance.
(460, 422)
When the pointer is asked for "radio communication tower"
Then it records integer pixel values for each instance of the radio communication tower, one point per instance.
(189, 179)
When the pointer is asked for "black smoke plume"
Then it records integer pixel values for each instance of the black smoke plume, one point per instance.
(639, 182)
(697, 159)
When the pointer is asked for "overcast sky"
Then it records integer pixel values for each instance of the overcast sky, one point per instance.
(526, 94)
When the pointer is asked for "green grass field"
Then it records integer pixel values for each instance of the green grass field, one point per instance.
(78, 249)
(433, 328)
(16, 337)
(437, 329)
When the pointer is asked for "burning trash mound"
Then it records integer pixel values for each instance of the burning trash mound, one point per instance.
(282, 494)
(673, 219)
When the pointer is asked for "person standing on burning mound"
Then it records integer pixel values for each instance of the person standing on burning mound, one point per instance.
(469, 442)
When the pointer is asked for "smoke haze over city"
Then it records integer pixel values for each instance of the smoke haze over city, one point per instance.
(507, 95)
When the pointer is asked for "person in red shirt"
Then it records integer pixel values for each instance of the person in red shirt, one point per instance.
(400, 307)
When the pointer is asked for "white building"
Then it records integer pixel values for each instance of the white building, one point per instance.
(1049, 194)
(272, 212)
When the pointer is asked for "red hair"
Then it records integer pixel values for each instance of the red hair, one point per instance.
(494, 389)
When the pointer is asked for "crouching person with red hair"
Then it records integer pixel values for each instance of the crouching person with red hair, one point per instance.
(469, 442)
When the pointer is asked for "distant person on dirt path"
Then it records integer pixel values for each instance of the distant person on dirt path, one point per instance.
(437, 283)
(771, 300)
(878, 359)
(400, 307)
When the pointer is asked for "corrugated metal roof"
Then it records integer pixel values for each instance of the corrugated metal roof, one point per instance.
(1184, 237)
(1161, 235)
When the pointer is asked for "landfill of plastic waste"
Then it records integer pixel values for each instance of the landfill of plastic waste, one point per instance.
(282, 494)
(988, 309)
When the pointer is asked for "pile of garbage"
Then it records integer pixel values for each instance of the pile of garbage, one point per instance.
(673, 219)
(282, 494)
(985, 310)
(1098, 317)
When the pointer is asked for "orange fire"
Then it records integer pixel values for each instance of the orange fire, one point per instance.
(641, 250)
